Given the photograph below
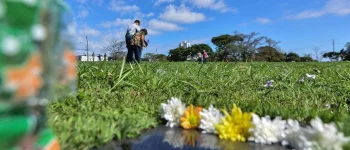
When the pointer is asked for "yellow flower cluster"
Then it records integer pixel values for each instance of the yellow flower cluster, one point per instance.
(235, 127)
(191, 119)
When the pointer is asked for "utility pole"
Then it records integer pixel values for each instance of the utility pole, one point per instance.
(333, 46)
(87, 48)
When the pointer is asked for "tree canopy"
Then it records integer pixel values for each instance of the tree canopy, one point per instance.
(269, 54)
(291, 56)
(181, 54)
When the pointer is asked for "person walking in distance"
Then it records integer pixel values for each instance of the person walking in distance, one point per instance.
(205, 56)
(132, 49)
(199, 55)
(99, 57)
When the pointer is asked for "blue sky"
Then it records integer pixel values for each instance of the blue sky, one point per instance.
(300, 25)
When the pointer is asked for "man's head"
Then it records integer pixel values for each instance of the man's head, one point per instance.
(144, 31)
(137, 22)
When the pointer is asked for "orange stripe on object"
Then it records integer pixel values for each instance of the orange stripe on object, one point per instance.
(54, 145)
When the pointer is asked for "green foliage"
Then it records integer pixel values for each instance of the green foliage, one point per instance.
(222, 40)
(306, 59)
(200, 47)
(269, 54)
(332, 55)
(117, 102)
(292, 57)
(155, 57)
(179, 54)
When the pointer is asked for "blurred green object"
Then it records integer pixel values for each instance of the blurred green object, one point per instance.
(36, 67)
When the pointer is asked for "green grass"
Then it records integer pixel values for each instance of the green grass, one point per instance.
(117, 101)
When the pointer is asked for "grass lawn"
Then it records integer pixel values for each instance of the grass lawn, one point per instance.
(116, 101)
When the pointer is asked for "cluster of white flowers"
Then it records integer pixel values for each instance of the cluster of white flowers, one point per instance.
(308, 77)
(172, 111)
(264, 130)
(209, 119)
(267, 131)
(316, 136)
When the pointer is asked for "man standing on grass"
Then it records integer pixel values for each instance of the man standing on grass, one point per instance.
(132, 49)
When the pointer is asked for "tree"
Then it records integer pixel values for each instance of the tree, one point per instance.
(332, 55)
(179, 54)
(306, 58)
(345, 52)
(161, 57)
(292, 57)
(250, 43)
(271, 43)
(222, 40)
(239, 45)
(225, 44)
(116, 49)
(269, 54)
(155, 57)
(149, 56)
(200, 47)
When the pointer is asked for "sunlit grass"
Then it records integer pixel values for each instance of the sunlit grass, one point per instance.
(117, 101)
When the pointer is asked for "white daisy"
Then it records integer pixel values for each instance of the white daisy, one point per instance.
(310, 76)
(267, 131)
(172, 111)
(326, 136)
(209, 119)
(296, 137)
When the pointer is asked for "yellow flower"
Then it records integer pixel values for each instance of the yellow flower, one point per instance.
(191, 118)
(235, 127)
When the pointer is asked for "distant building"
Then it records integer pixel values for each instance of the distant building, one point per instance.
(185, 44)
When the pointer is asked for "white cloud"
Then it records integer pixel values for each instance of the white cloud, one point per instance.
(262, 20)
(155, 24)
(86, 30)
(181, 14)
(336, 7)
(219, 5)
(121, 6)
(150, 15)
(158, 2)
(152, 32)
(140, 16)
(83, 13)
(116, 23)
(99, 2)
